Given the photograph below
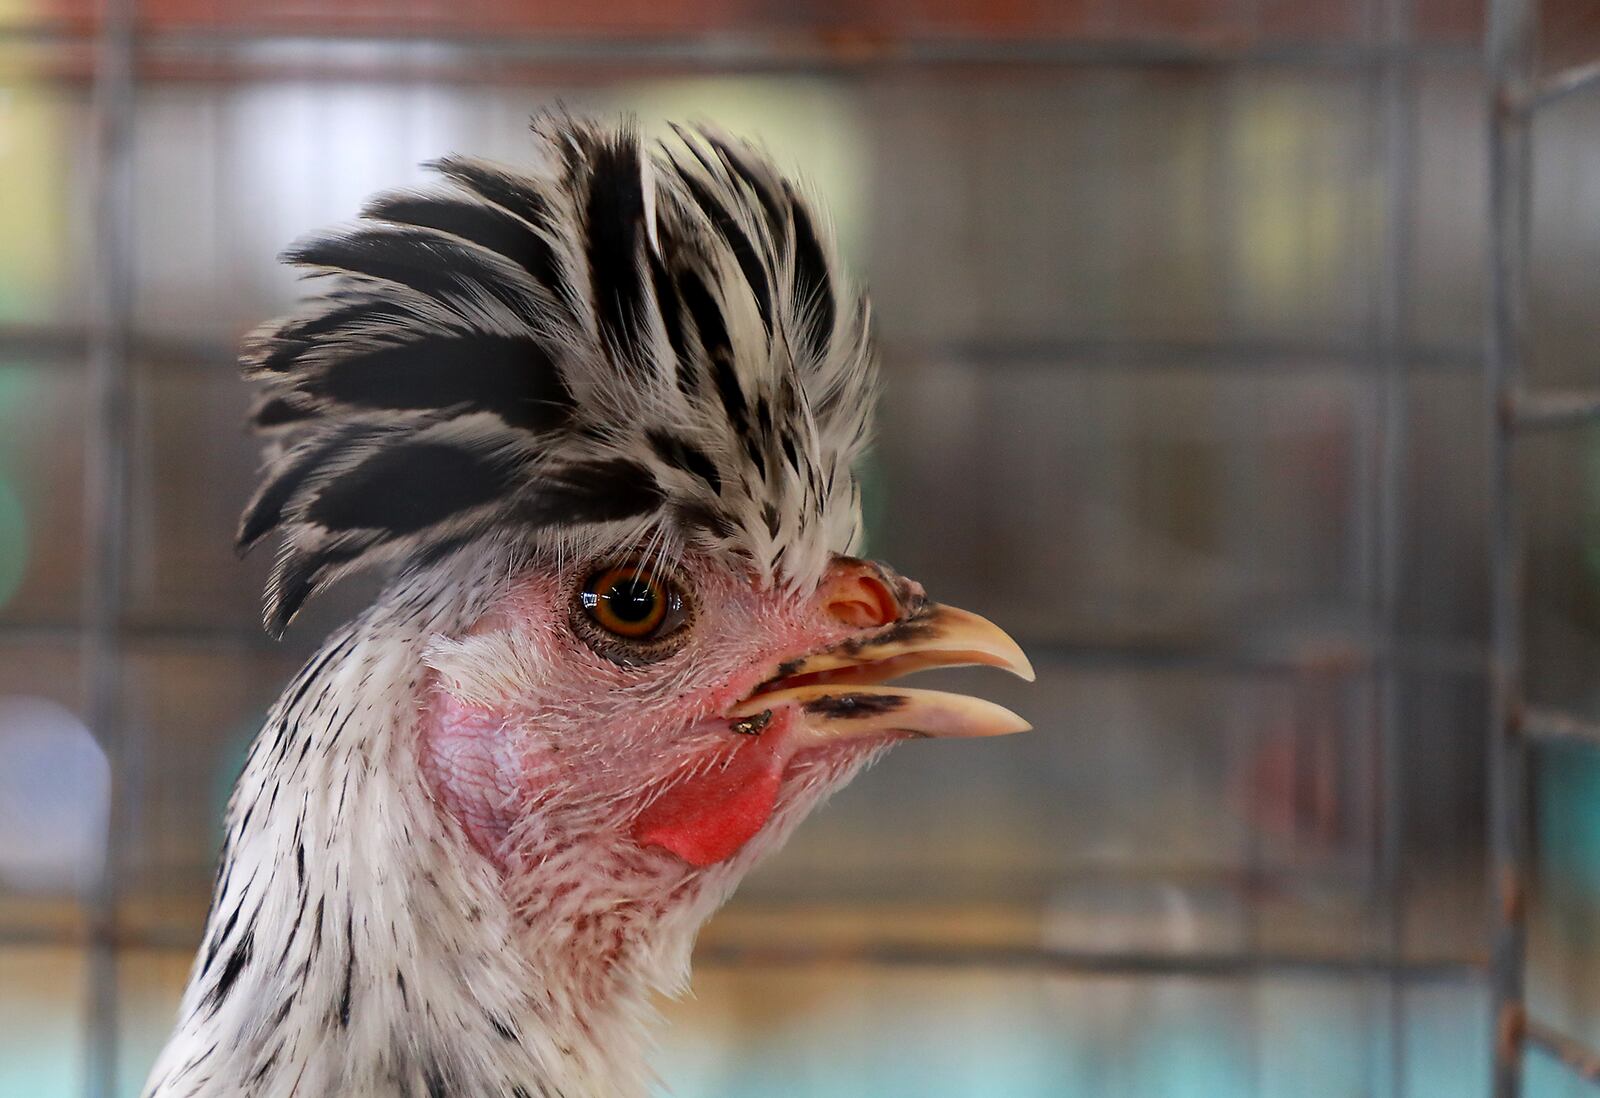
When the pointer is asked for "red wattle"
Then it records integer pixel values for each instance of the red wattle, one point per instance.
(708, 818)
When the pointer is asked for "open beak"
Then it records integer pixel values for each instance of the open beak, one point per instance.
(840, 692)
(836, 695)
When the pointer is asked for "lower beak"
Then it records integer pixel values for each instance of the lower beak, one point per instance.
(839, 692)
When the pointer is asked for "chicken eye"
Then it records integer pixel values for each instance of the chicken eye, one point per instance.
(629, 614)
(626, 602)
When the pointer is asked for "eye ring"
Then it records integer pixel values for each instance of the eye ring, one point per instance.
(630, 614)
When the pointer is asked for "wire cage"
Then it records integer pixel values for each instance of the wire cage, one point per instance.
(1237, 360)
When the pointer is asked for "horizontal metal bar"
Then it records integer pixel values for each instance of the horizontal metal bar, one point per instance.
(1090, 963)
(1579, 1058)
(823, 45)
(245, 50)
(1031, 893)
(206, 353)
(73, 341)
(1549, 725)
(46, 32)
(1230, 965)
(1337, 654)
(1544, 410)
(44, 341)
(221, 638)
(1120, 354)
(1560, 85)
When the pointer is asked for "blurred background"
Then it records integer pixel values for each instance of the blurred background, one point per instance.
(1184, 312)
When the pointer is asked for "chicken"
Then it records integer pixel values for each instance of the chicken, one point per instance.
(599, 421)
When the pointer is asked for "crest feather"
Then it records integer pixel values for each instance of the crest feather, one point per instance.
(653, 337)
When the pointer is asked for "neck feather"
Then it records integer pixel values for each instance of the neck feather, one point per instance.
(358, 946)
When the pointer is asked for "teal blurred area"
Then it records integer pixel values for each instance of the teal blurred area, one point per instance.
(761, 1032)
(1182, 317)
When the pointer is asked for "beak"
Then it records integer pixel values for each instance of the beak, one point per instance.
(840, 694)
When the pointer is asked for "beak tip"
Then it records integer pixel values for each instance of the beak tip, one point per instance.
(1022, 725)
(1018, 662)
(1003, 648)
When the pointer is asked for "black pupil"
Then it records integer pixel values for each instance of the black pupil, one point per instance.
(631, 600)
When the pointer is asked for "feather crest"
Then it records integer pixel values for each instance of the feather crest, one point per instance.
(659, 338)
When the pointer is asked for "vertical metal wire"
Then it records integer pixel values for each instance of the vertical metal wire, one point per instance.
(105, 525)
(1510, 65)
(1396, 86)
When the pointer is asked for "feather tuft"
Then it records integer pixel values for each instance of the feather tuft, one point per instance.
(654, 337)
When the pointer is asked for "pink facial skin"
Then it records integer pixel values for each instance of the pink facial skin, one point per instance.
(566, 746)
(470, 762)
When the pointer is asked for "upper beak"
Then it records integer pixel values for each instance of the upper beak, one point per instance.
(840, 694)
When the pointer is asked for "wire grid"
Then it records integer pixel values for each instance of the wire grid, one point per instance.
(1517, 98)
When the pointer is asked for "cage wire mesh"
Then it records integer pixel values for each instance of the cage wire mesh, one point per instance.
(1191, 383)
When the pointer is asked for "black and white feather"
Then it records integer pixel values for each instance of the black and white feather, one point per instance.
(650, 339)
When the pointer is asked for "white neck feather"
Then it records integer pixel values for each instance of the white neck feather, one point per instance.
(357, 946)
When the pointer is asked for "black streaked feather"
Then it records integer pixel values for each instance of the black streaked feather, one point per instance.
(421, 259)
(487, 226)
(670, 309)
(280, 351)
(513, 377)
(218, 940)
(749, 262)
(813, 290)
(265, 511)
(408, 487)
(694, 516)
(736, 163)
(295, 578)
(614, 213)
(503, 188)
(718, 349)
(278, 411)
(349, 968)
(597, 491)
(686, 456)
(237, 960)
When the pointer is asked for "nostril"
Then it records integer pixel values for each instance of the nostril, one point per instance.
(862, 600)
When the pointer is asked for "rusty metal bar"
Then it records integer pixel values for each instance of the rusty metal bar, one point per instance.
(1552, 725)
(1564, 83)
(1510, 48)
(1579, 1058)
(454, 53)
(756, 48)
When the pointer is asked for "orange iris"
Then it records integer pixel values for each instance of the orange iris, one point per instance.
(626, 600)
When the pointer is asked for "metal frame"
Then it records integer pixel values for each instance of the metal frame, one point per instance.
(1396, 124)
(785, 48)
(1509, 57)
(106, 520)
(1517, 95)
